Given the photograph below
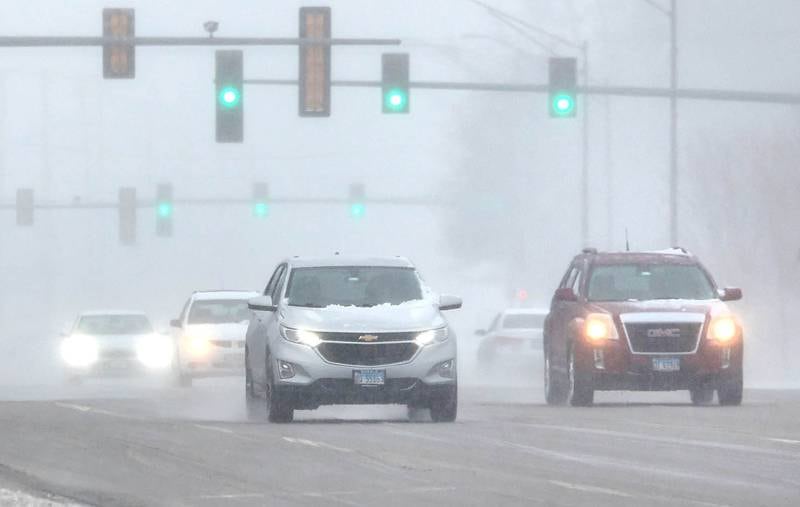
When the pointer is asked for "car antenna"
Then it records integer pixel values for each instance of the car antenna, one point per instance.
(627, 241)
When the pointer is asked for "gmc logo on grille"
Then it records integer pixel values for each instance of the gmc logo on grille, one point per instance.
(664, 333)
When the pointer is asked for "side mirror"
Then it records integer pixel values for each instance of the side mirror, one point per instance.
(449, 303)
(262, 304)
(565, 294)
(730, 294)
(481, 332)
(175, 323)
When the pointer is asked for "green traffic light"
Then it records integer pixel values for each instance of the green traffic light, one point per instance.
(563, 104)
(164, 209)
(358, 210)
(396, 100)
(229, 97)
(260, 210)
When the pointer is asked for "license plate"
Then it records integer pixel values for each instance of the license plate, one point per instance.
(369, 377)
(666, 364)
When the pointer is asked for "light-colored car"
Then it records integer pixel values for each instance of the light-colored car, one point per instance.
(515, 329)
(210, 334)
(342, 330)
(114, 343)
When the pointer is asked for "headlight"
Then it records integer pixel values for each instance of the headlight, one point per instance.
(431, 336)
(199, 346)
(723, 328)
(599, 327)
(301, 336)
(79, 351)
(155, 351)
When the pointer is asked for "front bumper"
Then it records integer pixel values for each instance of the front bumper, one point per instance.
(613, 367)
(331, 391)
(217, 362)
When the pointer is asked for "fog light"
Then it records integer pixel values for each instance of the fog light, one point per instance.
(285, 370)
(447, 369)
(599, 360)
(726, 357)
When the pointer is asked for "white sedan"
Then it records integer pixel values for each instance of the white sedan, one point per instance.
(115, 343)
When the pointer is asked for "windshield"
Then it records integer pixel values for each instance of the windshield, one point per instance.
(352, 286)
(219, 311)
(523, 321)
(638, 282)
(114, 324)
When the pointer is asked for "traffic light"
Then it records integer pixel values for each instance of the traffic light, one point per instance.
(358, 207)
(127, 215)
(164, 210)
(396, 96)
(229, 96)
(315, 62)
(119, 58)
(25, 207)
(562, 97)
(260, 200)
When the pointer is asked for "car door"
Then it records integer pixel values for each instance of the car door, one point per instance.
(256, 332)
(561, 313)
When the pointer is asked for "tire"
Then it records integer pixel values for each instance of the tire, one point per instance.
(256, 408)
(581, 391)
(279, 409)
(556, 386)
(730, 390)
(444, 408)
(416, 413)
(701, 395)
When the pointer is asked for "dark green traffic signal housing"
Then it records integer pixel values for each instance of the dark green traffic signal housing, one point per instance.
(229, 82)
(164, 210)
(562, 85)
(358, 207)
(395, 83)
(260, 200)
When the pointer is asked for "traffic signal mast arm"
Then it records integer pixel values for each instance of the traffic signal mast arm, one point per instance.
(38, 42)
(621, 91)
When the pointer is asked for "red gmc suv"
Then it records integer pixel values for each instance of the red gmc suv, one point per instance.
(645, 321)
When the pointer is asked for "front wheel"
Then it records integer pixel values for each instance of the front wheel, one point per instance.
(701, 395)
(279, 408)
(556, 387)
(581, 391)
(730, 390)
(444, 408)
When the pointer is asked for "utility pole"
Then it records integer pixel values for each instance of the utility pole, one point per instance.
(673, 103)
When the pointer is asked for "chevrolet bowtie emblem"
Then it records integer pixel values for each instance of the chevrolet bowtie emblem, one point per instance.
(367, 338)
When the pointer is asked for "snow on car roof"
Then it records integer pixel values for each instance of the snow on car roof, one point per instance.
(95, 313)
(204, 295)
(526, 311)
(348, 261)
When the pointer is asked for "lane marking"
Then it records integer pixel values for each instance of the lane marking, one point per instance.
(311, 443)
(79, 408)
(231, 496)
(784, 441)
(590, 489)
(87, 409)
(213, 428)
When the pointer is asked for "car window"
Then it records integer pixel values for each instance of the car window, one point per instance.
(113, 324)
(279, 285)
(273, 280)
(646, 282)
(352, 286)
(219, 311)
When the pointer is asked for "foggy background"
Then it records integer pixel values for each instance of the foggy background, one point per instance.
(505, 175)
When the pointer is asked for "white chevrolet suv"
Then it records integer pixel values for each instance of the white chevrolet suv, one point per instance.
(210, 334)
(343, 330)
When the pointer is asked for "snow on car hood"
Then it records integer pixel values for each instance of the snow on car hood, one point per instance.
(409, 316)
(226, 331)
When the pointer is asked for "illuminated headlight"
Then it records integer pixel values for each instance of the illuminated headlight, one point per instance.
(431, 336)
(199, 345)
(79, 351)
(154, 351)
(301, 336)
(723, 329)
(599, 327)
